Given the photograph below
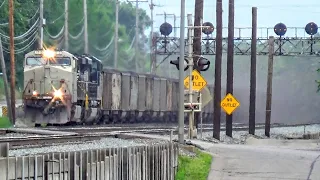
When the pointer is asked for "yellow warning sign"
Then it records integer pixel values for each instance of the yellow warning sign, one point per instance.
(229, 104)
(198, 82)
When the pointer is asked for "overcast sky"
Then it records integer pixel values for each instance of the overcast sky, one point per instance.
(296, 14)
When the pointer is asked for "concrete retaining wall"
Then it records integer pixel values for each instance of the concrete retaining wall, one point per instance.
(130, 163)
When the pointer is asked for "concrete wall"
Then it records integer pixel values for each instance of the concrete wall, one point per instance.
(157, 162)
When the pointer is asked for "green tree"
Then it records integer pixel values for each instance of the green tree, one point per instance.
(101, 20)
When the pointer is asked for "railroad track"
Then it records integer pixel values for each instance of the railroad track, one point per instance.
(91, 134)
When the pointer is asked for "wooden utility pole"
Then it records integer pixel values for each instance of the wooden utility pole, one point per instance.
(66, 25)
(253, 73)
(217, 74)
(269, 86)
(198, 16)
(5, 81)
(230, 63)
(12, 63)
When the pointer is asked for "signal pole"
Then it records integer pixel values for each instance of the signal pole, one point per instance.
(66, 25)
(116, 31)
(181, 74)
(85, 13)
(230, 63)
(217, 75)
(12, 62)
(41, 25)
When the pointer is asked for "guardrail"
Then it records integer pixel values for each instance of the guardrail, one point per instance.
(127, 163)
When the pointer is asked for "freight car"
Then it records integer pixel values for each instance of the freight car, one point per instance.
(61, 88)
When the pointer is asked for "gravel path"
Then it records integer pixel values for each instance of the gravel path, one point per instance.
(239, 137)
(99, 144)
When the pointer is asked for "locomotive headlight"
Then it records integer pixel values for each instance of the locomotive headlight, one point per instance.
(57, 93)
(34, 93)
(48, 53)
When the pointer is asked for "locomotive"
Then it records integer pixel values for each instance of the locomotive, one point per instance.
(63, 88)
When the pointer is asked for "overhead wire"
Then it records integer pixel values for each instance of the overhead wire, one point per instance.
(2, 3)
(54, 37)
(28, 32)
(78, 35)
(106, 47)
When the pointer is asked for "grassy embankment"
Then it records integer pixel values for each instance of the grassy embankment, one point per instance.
(4, 121)
(194, 168)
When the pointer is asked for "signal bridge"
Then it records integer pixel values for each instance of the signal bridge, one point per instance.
(296, 45)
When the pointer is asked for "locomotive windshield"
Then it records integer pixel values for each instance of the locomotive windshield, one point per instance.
(38, 61)
(64, 61)
(35, 61)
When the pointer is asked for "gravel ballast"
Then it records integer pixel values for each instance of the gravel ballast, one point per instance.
(98, 144)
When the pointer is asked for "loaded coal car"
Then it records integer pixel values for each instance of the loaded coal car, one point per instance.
(61, 88)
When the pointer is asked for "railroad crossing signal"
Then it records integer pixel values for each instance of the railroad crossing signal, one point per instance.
(198, 81)
(229, 104)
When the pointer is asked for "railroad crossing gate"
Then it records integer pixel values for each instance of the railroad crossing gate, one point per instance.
(229, 104)
(198, 81)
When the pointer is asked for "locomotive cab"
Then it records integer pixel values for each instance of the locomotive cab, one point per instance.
(49, 86)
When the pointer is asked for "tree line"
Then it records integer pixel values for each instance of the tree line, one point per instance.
(101, 21)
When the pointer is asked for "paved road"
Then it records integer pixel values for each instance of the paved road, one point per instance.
(262, 159)
(266, 159)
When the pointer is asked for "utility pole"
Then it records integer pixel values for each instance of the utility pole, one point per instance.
(41, 25)
(12, 62)
(217, 75)
(116, 31)
(85, 13)
(66, 25)
(191, 64)
(181, 73)
(269, 86)
(152, 58)
(253, 73)
(5, 81)
(198, 16)
(230, 63)
(137, 37)
(137, 34)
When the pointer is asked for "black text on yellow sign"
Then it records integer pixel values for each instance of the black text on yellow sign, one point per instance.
(198, 82)
(229, 104)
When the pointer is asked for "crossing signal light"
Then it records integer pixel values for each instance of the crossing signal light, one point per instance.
(203, 64)
(176, 63)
